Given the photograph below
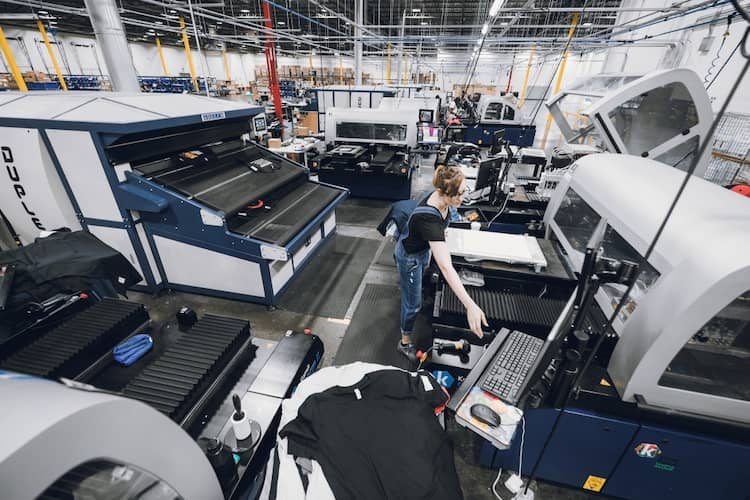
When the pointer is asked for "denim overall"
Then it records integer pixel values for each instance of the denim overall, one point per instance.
(411, 268)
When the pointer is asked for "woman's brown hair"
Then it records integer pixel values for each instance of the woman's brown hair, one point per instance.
(447, 180)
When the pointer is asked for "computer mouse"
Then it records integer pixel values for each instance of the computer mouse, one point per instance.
(485, 414)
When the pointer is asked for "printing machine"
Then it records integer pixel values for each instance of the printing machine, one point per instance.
(371, 151)
(665, 403)
(171, 181)
(77, 424)
(500, 113)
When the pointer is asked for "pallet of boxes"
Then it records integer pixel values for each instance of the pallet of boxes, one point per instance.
(7, 82)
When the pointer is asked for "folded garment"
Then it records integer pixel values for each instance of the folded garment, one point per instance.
(132, 349)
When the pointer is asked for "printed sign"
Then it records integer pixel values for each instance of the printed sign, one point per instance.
(444, 378)
(647, 450)
(216, 115)
(594, 483)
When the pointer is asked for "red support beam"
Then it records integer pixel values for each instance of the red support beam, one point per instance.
(270, 50)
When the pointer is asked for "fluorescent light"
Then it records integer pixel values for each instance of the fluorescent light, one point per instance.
(244, 10)
(496, 6)
(281, 23)
(503, 24)
(424, 23)
(479, 41)
(586, 24)
(172, 11)
(217, 23)
(42, 12)
(416, 10)
(485, 28)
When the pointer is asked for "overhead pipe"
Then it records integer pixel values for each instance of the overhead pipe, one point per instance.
(110, 33)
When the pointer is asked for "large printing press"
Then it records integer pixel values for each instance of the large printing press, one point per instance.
(372, 151)
(169, 181)
(661, 399)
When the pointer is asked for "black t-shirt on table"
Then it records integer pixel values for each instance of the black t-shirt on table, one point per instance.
(424, 228)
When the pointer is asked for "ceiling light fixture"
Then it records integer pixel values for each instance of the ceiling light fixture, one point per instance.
(485, 28)
(586, 24)
(479, 41)
(172, 11)
(503, 24)
(424, 23)
(496, 6)
(416, 10)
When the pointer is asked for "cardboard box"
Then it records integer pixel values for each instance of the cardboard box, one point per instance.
(302, 131)
(274, 143)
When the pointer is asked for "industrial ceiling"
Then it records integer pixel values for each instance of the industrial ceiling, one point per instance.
(425, 27)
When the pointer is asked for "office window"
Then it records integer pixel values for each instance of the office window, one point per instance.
(577, 220)
(716, 359)
(653, 118)
(105, 480)
(614, 246)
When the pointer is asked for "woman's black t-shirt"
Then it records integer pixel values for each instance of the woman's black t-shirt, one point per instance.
(423, 228)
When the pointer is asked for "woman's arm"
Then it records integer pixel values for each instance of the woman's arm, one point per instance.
(474, 314)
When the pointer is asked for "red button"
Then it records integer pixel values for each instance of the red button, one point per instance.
(307, 331)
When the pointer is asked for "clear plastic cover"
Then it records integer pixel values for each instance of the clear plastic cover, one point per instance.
(715, 360)
(371, 131)
(577, 220)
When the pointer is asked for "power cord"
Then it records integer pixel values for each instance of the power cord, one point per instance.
(718, 52)
(520, 460)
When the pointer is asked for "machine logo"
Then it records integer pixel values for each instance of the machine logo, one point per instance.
(647, 450)
(15, 178)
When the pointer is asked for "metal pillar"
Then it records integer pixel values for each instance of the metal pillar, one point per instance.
(58, 72)
(161, 57)
(273, 78)
(401, 47)
(226, 63)
(526, 77)
(189, 55)
(12, 63)
(358, 20)
(110, 33)
(560, 74)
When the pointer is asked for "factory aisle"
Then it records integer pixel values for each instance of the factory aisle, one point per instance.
(348, 296)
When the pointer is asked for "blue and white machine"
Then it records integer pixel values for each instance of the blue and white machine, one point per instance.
(171, 181)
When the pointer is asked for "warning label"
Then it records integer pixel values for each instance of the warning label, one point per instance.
(594, 483)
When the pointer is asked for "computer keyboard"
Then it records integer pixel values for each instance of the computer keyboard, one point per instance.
(506, 375)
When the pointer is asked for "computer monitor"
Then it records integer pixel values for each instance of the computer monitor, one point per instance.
(259, 124)
(426, 116)
(429, 134)
(488, 171)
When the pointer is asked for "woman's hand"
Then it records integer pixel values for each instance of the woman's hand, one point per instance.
(476, 319)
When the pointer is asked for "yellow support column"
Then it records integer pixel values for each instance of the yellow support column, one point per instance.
(161, 57)
(60, 78)
(558, 83)
(12, 62)
(341, 69)
(312, 80)
(189, 56)
(226, 64)
(388, 65)
(406, 69)
(526, 77)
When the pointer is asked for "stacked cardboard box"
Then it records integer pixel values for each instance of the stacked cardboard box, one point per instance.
(35, 76)
(7, 82)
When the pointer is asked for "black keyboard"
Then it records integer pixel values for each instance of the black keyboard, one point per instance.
(505, 376)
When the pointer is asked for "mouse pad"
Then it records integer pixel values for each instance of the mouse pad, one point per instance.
(502, 435)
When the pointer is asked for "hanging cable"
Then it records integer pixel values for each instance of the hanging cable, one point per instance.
(718, 52)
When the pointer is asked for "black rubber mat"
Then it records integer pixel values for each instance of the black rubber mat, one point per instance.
(325, 287)
(373, 332)
(506, 308)
(73, 346)
(178, 378)
(362, 212)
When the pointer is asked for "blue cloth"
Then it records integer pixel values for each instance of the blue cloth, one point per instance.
(131, 350)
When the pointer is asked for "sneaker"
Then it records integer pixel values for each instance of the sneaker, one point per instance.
(408, 350)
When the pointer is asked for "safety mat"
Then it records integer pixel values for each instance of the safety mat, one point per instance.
(374, 329)
(326, 286)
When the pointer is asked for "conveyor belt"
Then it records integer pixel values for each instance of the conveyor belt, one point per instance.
(73, 346)
(507, 308)
(179, 378)
(287, 216)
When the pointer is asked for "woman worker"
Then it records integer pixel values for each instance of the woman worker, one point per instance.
(425, 236)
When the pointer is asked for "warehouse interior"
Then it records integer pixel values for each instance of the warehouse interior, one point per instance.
(374, 249)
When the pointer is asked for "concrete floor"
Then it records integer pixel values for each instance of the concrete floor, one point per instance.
(476, 481)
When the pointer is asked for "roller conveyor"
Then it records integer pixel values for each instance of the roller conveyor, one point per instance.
(176, 381)
(514, 309)
(74, 345)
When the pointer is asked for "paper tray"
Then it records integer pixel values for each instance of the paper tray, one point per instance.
(486, 245)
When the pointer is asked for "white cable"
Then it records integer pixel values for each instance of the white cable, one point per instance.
(520, 453)
(494, 485)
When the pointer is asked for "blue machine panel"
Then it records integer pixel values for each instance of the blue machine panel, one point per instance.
(685, 466)
(517, 135)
